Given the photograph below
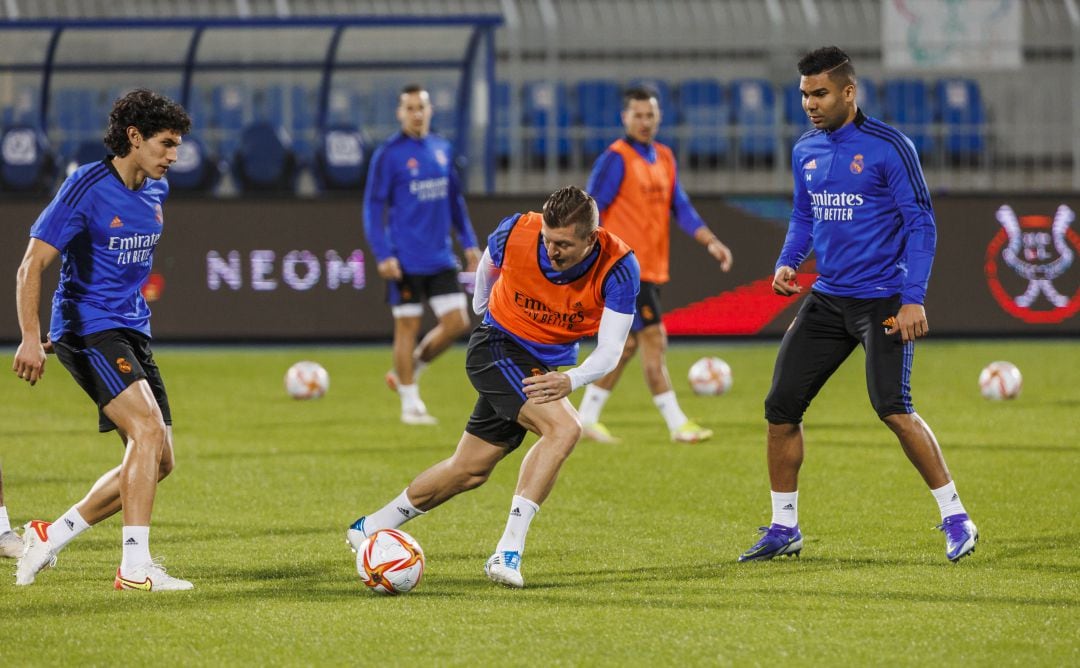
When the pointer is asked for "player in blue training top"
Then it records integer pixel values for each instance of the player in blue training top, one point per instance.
(104, 225)
(862, 205)
(411, 201)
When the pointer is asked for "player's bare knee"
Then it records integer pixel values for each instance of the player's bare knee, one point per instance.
(149, 433)
(629, 348)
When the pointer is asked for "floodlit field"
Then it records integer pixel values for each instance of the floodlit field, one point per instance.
(630, 562)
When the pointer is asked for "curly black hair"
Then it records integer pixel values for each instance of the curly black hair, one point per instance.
(831, 60)
(149, 112)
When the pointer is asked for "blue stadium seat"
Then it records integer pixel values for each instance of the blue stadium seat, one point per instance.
(228, 104)
(268, 104)
(794, 115)
(24, 109)
(26, 164)
(194, 169)
(754, 105)
(303, 112)
(599, 107)
(444, 102)
(75, 114)
(669, 111)
(544, 100)
(907, 108)
(384, 103)
(960, 111)
(502, 121)
(263, 162)
(868, 97)
(340, 160)
(706, 117)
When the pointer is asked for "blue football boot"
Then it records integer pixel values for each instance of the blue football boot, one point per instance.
(505, 568)
(960, 536)
(777, 540)
(355, 534)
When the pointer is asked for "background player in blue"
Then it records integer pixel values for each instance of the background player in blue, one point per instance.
(104, 225)
(411, 201)
(862, 205)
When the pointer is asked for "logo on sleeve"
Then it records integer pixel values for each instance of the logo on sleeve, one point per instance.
(856, 165)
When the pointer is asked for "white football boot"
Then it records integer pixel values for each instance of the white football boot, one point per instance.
(11, 545)
(505, 568)
(37, 552)
(150, 576)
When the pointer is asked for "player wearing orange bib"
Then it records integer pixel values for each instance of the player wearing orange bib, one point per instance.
(636, 186)
(545, 281)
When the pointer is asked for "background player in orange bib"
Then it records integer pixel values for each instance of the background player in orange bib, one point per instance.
(544, 282)
(636, 187)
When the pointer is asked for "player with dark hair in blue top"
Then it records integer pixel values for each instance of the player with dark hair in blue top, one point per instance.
(862, 206)
(104, 225)
(411, 201)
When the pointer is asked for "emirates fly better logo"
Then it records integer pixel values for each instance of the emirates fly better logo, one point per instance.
(1029, 266)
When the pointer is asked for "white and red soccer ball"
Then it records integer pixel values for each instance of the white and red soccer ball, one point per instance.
(390, 562)
(710, 376)
(306, 380)
(1000, 380)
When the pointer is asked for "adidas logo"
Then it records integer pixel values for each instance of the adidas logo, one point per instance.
(131, 541)
(69, 523)
(516, 512)
(788, 507)
(955, 497)
(405, 512)
(116, 222)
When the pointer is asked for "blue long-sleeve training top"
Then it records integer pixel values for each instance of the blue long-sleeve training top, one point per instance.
(862, 204)
(607, 176)
(411, 200)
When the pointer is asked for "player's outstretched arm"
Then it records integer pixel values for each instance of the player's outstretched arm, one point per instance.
(29, 363)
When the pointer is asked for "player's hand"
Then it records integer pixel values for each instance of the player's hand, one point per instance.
(29, 364)
(722, 254)
(47, 346)
(784, 282)
(390, 269)
(472, 259)
(551, 386)
(910, 321)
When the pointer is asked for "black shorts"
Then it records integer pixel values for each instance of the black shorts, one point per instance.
(648, 309)
(825, 331)
(496, 365)
(105, 363)
(415, 288)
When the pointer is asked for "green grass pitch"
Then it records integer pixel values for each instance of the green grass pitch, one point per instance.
(630, 562)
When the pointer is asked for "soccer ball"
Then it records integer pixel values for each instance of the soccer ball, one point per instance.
(390, 561)
(1000, 380)
(710, 376)
(306, 380)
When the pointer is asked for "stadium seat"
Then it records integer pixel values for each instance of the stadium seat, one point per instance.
(194, 169)
(544, 101)
(340, 159)
(24, 108)
(26, 165)
(907, 107)
(868, 97)
(959, 109)
(706, 117)
(303, 112)
(228, 104)
(444, 102)
(795, 120)
(754, 106)
(502, 121)
(262, 161)
(599, 107)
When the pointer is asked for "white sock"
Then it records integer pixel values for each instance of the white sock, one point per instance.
(392, 515)
(418, 368)
(410, 396)
(592, 403)
(5, 523)
(136, 548)
(669, 408)
(785, 508)
(948, 500)
(66, 528)
(517, 525)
